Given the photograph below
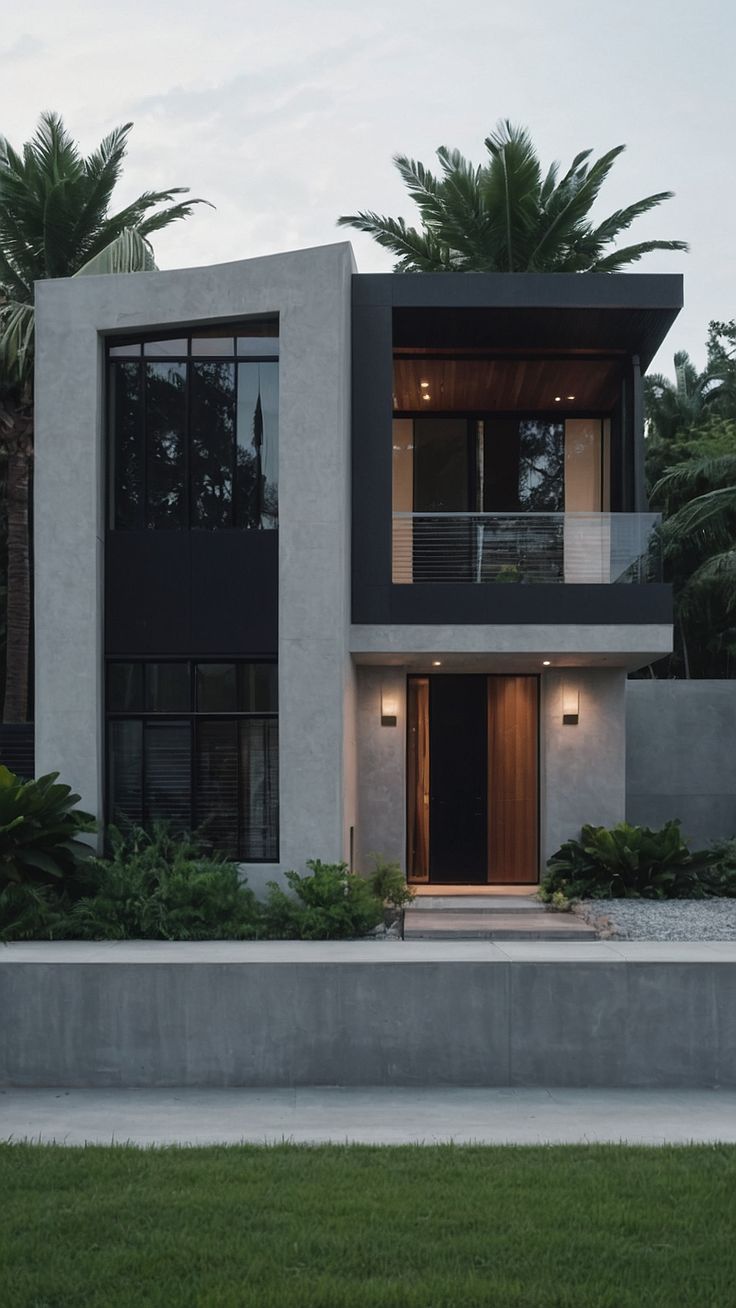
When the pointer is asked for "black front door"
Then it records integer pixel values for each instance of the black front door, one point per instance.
(458, 779)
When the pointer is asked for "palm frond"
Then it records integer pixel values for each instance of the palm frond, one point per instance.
(16, 340)
(128, 252)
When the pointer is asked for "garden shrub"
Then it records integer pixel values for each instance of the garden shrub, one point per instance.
(159, 886)
(39, 826)
(388, 884)
(330, 904)
(634, 862)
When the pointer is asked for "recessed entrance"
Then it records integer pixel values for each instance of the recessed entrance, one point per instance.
(472, 779)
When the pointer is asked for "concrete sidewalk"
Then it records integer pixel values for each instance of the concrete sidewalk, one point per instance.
(368, 1116)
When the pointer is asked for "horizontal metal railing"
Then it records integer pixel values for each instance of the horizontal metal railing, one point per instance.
(530, 548)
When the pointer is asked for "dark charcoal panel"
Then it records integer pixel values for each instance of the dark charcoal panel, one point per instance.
(17, 747)
(191, 592)
(234, 592)
(443, 604)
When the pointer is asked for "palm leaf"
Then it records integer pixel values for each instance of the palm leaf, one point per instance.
(129, 252)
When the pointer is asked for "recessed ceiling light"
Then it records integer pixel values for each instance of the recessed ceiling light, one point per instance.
(545, 663)
(426, 396)
(436, 663)
(557, 399)
(424, 384)
(571, 397)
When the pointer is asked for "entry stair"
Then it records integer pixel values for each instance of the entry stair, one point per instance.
(490, 917)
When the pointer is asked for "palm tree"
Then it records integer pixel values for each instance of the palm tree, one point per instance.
(506, 216)
(699, 541)
(55, 221)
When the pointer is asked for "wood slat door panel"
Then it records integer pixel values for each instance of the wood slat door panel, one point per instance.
(513, 780)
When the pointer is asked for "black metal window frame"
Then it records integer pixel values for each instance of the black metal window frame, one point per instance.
(186, 357)
(191, 716)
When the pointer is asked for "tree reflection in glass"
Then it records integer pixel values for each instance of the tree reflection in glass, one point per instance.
(257, 445)
(165, 430)
(212, 430)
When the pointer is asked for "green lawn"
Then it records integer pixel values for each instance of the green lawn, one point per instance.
(431, 1227)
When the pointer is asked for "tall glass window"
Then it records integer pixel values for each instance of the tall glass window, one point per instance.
(194, 430)
(195, 745)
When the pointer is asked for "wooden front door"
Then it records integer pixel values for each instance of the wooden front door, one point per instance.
(472, 774)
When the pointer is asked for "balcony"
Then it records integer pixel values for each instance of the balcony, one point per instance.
(526, 548)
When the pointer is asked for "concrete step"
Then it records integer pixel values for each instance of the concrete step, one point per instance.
(475, 904)
(489, 925)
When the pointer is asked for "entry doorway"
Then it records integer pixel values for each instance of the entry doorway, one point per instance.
(473, 779)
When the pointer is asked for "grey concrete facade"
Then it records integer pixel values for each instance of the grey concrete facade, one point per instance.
(680, 756)
(368, 1013)
(310, 290)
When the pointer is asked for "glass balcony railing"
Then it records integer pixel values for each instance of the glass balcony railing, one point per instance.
(531, 548)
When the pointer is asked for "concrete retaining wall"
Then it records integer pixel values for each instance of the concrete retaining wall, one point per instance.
(368, 1013)
(681, 756)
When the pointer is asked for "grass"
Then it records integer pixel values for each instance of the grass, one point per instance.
(332, 1227)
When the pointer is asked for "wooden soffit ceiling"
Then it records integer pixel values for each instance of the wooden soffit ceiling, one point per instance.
(480, 385)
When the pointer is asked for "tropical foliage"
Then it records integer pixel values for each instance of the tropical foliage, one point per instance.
(330, 904)
(691, 469)
(509, 215)
(39, 826)
(630, 862)
(55, 221)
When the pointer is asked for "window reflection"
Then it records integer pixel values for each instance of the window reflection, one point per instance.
(165, 426)
(212, 426)
(257, 445)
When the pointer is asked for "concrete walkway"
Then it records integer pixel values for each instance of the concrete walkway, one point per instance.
(368, 1116)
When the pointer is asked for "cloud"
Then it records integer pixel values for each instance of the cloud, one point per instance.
(22, 48)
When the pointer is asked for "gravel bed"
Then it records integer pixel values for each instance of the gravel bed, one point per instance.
(672, 919)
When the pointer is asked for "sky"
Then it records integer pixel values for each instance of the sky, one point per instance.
(286, 113)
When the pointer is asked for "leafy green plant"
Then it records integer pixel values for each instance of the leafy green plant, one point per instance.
(389, 885)
(330, 904)
(626, 862)
(39, 825)
(157, 886)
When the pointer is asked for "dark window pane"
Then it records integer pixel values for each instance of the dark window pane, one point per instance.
(126, 421)
(212, 345)
(167, 762)
(212, 436)
(523, 465)
(125, 687)
(167, 688)
(257, 447)
(165, 349)
(441, 465)
(216, 785)
(216, 688)
(542, 465)
(125, 773)
(259, 790)
(125, 351)
(165, 430)
(259, 683)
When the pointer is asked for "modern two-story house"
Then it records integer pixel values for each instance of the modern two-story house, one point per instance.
(330, 563)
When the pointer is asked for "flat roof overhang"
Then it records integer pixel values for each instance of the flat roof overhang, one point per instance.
(584, 313)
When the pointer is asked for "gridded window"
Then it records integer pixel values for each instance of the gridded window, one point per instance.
(193, 436)
(195, 745)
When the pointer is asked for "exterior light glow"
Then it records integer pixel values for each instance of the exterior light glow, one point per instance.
(426, 396)
(545, 663)
(389, 708)
(424, 385)
(571, 397)
(557, 399)
(570, 704)
(436, 663)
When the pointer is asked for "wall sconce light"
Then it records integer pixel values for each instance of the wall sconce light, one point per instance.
(389, 708)
(570, 705)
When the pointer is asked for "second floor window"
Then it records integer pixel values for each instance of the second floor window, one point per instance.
(193, 433)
